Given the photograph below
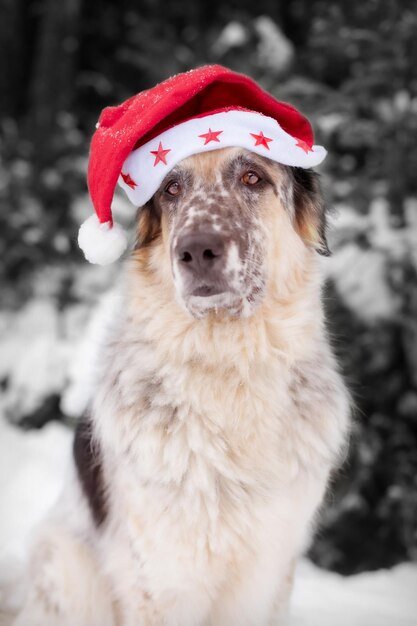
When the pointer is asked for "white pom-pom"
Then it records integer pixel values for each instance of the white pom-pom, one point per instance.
(101, 243)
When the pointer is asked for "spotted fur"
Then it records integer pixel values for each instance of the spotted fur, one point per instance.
(218, 420)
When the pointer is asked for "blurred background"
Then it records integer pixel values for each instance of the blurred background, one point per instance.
(351, 66)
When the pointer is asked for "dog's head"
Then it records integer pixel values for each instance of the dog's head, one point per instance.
(224, 222)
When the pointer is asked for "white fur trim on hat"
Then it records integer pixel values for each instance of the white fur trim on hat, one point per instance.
(146, 167)
(101, 243)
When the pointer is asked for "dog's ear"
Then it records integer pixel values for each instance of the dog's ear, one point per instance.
(310, 213)
(148, 225)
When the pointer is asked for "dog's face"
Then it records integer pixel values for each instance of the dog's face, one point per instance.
(217, 214)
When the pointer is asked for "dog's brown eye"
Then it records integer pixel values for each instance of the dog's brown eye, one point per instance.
(250, 178)
(173, 188)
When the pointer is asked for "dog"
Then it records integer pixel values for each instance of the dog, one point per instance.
(218, 414)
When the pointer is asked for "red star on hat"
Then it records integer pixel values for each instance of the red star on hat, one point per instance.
(304, 146)
(160, 154)
(211, 135)
(128, 180)
(261, 140)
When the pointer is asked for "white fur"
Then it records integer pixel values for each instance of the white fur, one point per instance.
(66, 585)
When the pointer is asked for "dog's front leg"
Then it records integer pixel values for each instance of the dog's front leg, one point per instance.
(281, 608)
(65, 587)
(258, 597)
(171, 609)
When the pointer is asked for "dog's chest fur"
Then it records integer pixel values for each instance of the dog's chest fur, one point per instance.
(215, 462)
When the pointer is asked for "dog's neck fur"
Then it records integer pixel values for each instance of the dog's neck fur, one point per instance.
(288, 324)
(233, 374)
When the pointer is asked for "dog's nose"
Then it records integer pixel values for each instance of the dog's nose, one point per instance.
(200, 252)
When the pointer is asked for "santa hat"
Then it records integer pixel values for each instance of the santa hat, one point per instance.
(138, 142)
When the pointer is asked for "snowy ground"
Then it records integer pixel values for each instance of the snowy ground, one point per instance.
(32, 468)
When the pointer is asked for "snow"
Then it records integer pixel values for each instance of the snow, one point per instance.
(32, 471)
(33, 349)
(32, 467)
(275, 51)
(366, 249)
(42, 349)
(360, 276)
(234, 35)
(383, 598)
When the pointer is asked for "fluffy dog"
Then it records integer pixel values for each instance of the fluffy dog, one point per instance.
(218, 415)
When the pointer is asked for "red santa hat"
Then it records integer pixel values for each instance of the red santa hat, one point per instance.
(138, 142)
